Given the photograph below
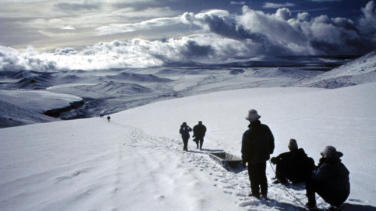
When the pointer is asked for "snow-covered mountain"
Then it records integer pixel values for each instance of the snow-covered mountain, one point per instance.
(358, 71)
(108, 91)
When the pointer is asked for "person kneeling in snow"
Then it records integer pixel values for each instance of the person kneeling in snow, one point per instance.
(295, 165)
(330, 179)
(257, 145)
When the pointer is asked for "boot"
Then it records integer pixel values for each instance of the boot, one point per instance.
(254, 195)
(264, 194)
(311, 204)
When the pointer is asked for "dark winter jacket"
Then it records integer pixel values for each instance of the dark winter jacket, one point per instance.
(296, 164)
(184, 131)
(199, 131)
(332, 181)
(257, 143)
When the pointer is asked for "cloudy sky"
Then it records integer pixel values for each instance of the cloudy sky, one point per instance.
(159, 31)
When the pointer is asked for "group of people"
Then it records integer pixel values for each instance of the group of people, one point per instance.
(199, 131)
(329, 179)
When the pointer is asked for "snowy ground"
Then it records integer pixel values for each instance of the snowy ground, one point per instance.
(136, 162)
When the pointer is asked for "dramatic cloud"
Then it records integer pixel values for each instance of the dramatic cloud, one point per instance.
(12, 60)
(304, 17)
(367, 22)
(216, 36)
(47, 25)
(135, 53)
(275, 5)
(123, 28)
(280, 33)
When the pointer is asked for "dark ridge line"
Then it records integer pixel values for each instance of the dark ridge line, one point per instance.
(57, 111)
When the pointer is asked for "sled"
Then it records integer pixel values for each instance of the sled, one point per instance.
(227, 160)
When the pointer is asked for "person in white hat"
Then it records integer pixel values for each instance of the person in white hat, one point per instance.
(294, 165)
(257, 145)
(330, 179)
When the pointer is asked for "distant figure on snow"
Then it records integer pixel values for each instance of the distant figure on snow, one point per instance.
(108, 118)
(330, 179)
(184, 131)
(294, 165)
(199, 134)
(257, 145)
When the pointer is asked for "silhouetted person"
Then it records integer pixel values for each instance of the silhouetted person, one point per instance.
(184, 131)
(294, 165)
(330, 179)
(108, 118)
(257, 145)
(199, 134)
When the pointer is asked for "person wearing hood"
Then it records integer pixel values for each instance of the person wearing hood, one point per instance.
(257, 145)
(330, 180)
(184, 131)
(294, 165)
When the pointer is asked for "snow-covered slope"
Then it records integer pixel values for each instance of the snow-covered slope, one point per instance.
(136, 162)
(358, 71)
(12, 115)
(37, 101)
(137, 77)
(282, 72)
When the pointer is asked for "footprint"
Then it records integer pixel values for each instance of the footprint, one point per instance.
(229, 187)
(249, 203)
(355, 200)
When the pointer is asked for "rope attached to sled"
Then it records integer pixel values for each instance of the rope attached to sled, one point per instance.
(292, 194)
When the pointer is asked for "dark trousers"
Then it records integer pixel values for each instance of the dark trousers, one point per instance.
(310, 186)
(295, 174)
(281, 172)
(328, 195)
(257, 177)
(185, 141)
(199, 141)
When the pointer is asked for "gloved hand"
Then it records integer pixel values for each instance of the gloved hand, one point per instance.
(244, 163)
(274, 160)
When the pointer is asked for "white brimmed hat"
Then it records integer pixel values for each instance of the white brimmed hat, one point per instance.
(328, 151)
(252, 115)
